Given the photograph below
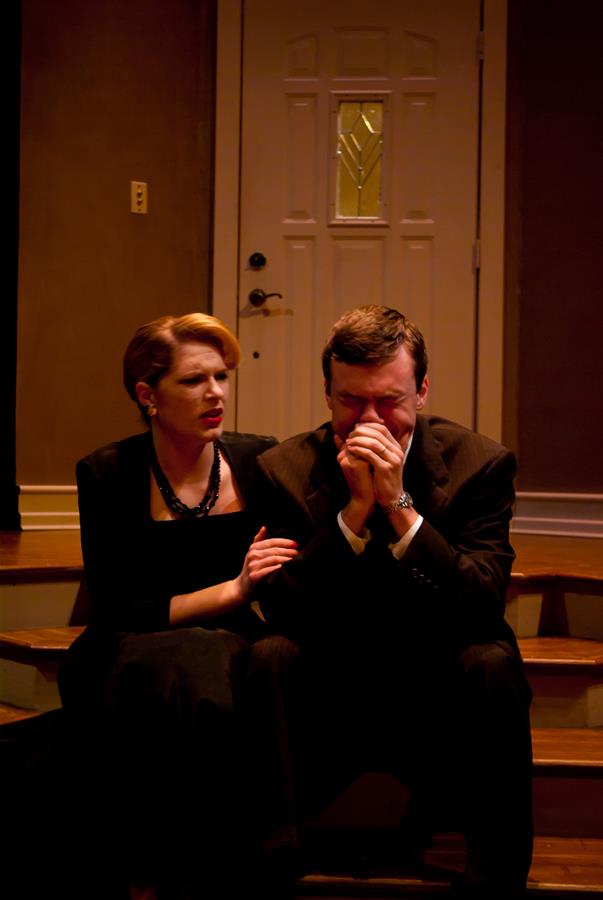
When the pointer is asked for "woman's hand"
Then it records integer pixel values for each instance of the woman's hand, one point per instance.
(263, 557)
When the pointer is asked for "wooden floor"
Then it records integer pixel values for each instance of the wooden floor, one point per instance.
(537, 556)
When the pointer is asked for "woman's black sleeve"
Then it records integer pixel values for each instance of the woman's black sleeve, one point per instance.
(118, 574)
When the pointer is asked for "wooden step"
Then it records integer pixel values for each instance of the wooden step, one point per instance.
(52, 555)
(568, 868)
(537, 556)
(29, 660)
(556, 586)
(568, 782)
(568, 751)
(35, 645)
(552, 654)
(563, 655)
(549, 662)
(566, 675)
(10, 713)
(567, 559)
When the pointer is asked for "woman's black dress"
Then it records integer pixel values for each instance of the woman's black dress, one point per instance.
(157, 706)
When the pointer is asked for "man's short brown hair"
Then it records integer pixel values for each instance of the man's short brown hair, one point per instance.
(372, 335)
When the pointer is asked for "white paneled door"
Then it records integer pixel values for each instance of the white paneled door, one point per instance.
(359, 175)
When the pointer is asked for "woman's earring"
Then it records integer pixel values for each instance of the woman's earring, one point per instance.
(150, 410)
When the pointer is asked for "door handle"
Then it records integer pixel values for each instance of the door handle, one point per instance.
(258, 297)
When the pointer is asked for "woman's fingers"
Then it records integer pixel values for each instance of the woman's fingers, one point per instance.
(265, 555)
(257, 576)
(261, 546)
(269, 559)
(281, 554)
(260, 538)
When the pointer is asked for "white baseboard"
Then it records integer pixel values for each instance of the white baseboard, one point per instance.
(566, 515)
(48, 507)
(53, 507)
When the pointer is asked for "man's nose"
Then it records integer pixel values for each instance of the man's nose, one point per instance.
(369, 413)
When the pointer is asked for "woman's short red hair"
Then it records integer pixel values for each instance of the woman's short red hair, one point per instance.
(149, 354)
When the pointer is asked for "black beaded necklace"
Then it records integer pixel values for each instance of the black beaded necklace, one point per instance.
(175, 504)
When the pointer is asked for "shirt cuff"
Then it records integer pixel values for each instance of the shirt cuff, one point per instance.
(400, 547)
(357, 542)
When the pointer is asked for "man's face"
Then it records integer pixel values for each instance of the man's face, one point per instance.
(385, 393)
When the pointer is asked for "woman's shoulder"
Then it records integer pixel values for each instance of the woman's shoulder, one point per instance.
(118, 456)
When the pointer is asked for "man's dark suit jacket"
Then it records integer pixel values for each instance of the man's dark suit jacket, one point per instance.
(448, 588)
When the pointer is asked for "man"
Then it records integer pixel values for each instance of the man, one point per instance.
(394, 654)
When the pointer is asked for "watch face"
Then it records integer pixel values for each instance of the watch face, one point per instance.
(404, 501)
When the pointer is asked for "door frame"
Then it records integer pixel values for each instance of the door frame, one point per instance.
(491, 168)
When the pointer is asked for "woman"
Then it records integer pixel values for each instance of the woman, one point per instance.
(171, 552)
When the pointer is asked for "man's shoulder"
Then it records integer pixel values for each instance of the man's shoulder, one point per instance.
(459, 447)
(451, 435)
(246, 442)
(301, 450)
(242, 450)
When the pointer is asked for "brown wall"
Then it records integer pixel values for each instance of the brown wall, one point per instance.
(112, 91)
(555, 245)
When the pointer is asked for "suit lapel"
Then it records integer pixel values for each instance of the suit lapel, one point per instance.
(327, 491)
(425, 475)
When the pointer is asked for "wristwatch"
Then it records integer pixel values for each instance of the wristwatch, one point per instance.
(404, 501)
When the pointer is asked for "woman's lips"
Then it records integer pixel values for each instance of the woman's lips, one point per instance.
(213, 416)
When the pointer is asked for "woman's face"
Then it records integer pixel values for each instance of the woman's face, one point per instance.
(190, 399)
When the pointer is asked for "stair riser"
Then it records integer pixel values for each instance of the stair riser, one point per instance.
(36, 604)
(568, 807)
(566, 701)
(30, 687)
(571, 613)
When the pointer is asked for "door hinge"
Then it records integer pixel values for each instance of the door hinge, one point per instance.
(477, 255)
(480, 46)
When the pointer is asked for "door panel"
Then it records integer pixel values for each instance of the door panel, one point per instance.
(299, 62)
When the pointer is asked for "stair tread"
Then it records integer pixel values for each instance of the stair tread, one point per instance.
(554, 557)
(580, 747)
(57, 638)
(52, 554)
(538, 556)
(559, 864)
(10, 713)
(562, 651)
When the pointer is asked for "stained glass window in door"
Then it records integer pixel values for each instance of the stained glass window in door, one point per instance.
(359, 159)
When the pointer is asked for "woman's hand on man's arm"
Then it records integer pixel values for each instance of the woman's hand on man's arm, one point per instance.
(265, 555)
